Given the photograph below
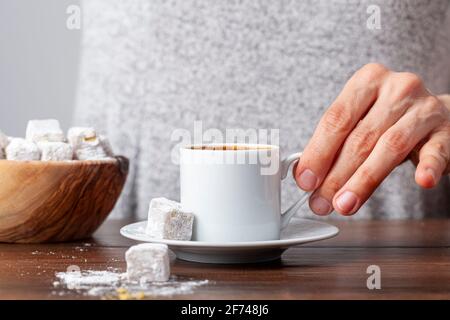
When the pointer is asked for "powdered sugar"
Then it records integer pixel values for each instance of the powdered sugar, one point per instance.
(77, 280)
(111, 284)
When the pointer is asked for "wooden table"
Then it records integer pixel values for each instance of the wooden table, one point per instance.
(414, 257)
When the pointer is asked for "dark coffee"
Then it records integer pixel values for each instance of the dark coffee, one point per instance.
(228, 147)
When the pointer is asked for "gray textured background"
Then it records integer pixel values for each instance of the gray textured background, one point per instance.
(38, 63)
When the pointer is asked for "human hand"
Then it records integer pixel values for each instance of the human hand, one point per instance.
(379, 119)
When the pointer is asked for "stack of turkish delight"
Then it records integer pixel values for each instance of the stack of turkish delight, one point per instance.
(45, 141)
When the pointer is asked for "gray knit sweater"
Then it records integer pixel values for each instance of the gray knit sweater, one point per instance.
(150, 67)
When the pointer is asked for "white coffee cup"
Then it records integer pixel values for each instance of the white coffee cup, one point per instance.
(233, 197)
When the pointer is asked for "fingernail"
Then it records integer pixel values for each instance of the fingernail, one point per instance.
(347, 201)
(432, 173)
(307, 180)
(320, 205)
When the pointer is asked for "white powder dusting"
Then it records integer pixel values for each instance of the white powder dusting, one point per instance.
(113, 284)
(76, 280)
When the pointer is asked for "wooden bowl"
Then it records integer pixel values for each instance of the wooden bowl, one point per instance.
(57, 201)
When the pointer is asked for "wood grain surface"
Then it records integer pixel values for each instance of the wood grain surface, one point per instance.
(57, 201)
(414, 257)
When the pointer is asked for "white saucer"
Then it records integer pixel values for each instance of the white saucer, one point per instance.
(298, 232)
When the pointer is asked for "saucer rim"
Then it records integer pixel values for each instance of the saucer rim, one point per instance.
(244, 244)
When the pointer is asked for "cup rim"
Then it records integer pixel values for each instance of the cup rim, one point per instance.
(250, 147)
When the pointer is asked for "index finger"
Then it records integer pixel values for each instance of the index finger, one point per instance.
(346, 111)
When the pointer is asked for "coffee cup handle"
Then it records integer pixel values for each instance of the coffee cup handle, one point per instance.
(289, 213)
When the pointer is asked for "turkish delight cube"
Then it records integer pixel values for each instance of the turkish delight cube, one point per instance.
(44, 130)
(55, 151)
(86, 144)
(21, 149)
(148, 262)
(167, 220)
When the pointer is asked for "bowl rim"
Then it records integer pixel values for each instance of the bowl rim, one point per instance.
(60, 163)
